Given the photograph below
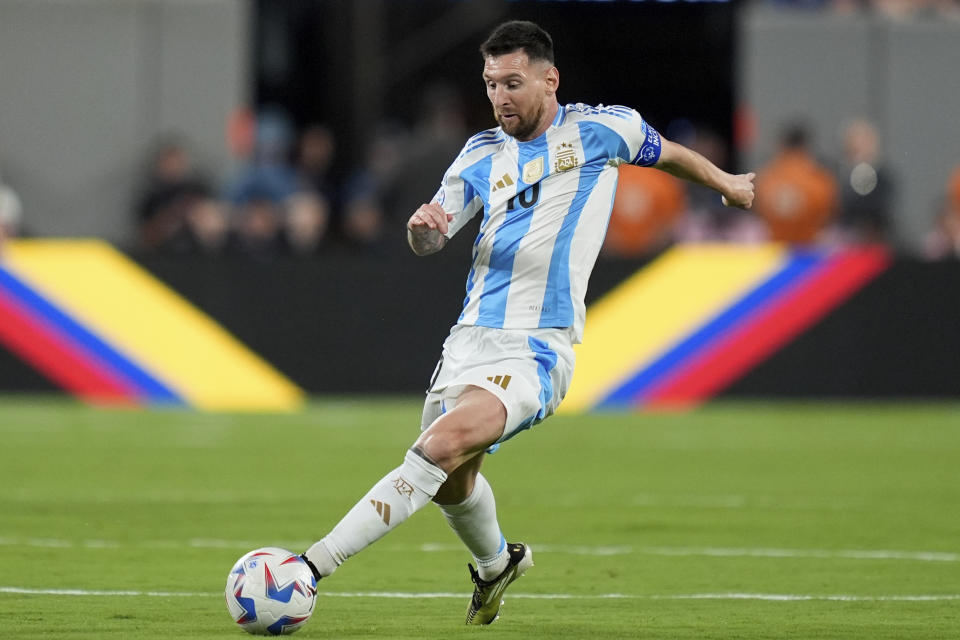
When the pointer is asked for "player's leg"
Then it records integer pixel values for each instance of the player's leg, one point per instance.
(470, 509)
(529, 377)
(460, 484)
(453, 439)
(476, 422)
(474, 519)
(466, 498)
(387, 504)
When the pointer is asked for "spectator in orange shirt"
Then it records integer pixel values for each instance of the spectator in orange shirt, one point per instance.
(943, 241)
(953, 190)
(796, 197)
(647, 204)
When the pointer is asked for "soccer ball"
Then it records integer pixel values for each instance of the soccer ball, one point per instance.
(270, 591)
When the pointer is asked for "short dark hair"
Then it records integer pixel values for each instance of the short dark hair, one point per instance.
(519, 34)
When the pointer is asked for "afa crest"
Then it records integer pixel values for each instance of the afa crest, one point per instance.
(566, 157)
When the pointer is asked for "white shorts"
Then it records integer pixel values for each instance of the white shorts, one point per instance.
(529, 370)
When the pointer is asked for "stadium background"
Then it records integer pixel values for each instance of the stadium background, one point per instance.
(815, 499)
(87, 86)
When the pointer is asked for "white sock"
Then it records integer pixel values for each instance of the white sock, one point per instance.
(475, 521)
(395, 498)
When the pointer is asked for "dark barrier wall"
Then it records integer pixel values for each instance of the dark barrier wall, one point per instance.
(345, 323)
(898, 337)
(349, 324)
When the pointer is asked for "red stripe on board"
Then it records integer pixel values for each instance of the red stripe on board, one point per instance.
(38, 344)
(768, 330)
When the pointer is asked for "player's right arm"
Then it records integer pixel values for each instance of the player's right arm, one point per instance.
(646, 148)
(427, 228)
(736, 189)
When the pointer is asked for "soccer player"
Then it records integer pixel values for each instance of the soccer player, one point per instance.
(544, 181)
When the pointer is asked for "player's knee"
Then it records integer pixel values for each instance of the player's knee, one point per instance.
(445, 444)
(450, 442)
(477, 421)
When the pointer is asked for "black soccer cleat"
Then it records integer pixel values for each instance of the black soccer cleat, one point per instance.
(488, 595)
(313, 569)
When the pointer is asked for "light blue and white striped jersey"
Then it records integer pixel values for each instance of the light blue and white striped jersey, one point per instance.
(546, 204)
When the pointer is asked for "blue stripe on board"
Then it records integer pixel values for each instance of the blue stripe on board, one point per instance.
(148, 386)
(793, 272)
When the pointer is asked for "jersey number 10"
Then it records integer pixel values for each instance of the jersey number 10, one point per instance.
(526, 198)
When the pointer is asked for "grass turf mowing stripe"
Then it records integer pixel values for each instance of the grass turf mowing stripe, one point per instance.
(774, 597)
(847, 554)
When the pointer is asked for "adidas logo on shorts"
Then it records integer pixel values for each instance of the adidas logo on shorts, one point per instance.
(503, 381)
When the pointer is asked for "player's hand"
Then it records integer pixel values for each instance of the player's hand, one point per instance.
(739, 191)
(430, 216)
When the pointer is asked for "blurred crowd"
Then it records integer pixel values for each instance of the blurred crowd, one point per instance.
(10, 212)
(802, 199)
(893, 9)
(290, 197)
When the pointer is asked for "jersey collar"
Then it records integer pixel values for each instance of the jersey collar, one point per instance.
(561, 114)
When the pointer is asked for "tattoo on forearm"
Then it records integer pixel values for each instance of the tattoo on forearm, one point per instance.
(426, 242)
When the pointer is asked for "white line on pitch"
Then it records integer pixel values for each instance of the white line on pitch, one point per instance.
(776, 597)
(788, 597)
(580, 550)
(105, 593)
(853, 554)
(594, 550)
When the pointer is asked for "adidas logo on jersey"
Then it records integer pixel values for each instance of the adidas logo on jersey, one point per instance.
(503, 381)
(503, 183)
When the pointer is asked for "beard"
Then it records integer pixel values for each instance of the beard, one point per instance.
(520, 127)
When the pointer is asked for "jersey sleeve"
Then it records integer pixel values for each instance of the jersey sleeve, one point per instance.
(629, 137)
(457, 197)
(643, 141)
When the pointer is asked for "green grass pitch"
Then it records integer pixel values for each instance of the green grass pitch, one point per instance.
(734, 521)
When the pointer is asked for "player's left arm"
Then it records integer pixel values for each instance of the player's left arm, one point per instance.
(678, 160)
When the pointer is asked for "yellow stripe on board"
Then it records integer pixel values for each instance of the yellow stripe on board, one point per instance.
(656, 307)
(139, 315)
